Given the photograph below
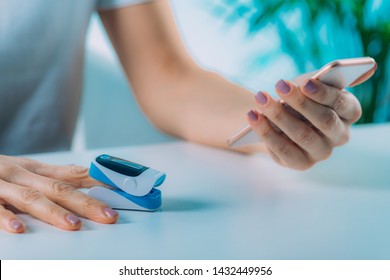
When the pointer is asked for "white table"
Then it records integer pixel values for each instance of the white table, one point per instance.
(222, 205)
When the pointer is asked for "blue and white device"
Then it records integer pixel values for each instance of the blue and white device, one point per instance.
(134, 185)
(119, 199)
(131, 177)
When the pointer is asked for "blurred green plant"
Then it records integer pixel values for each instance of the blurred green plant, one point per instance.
(314, 32)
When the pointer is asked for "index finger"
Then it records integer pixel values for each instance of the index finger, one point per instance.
(344, 103)
(77, 176)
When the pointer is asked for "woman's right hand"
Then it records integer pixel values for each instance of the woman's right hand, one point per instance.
(48, 192)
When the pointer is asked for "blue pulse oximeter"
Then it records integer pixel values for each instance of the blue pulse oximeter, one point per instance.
(134, 185)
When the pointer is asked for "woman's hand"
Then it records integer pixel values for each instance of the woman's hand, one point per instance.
(307, 125)
(49, 193)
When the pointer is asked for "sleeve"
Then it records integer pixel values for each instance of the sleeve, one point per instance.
(113, 4)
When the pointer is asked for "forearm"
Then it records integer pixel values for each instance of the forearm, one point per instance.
(197, 105)
(185, 101)
(178, 97)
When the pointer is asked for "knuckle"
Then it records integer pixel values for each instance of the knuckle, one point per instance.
(277, 115)
(339, 105)
(329, 120)
(90, 204)
(29, 196)
(78, 171)
(305, 136)
(282, 150)
(60, 189)
(301, 103)
(266, 132)
(321, 96)
(90, 207)
(53, 210)
(274, 127)
(28, 163)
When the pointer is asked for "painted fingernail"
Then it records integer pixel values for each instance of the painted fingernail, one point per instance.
(310, 87)
(253, 116)
(16, 225)
(283, 87)
(261, 98)
(110, 212)
(72, 219)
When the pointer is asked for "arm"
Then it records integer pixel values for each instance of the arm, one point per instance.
(179, 97)
(182, 99)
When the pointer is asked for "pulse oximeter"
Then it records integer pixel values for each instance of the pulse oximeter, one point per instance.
(134, 185)
(119, 199)
(131, 177)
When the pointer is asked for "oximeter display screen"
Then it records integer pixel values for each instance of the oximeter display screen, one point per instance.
(122, 166)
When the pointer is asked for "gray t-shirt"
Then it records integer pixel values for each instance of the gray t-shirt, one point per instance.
(41, 64)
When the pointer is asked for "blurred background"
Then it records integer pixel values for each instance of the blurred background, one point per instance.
(253, 43)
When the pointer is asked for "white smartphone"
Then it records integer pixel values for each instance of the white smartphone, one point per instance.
(339, 73)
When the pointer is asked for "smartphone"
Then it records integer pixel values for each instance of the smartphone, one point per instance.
(339, 73)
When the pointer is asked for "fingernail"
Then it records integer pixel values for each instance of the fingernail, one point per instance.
(261, 98)
(110, 212)
(16, 225)
(252, 116)
(283, 87)
(310, 87)
(72, 219)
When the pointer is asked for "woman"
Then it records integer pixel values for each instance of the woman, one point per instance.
(41, 51)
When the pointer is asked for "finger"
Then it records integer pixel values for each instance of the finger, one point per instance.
(291, 110)
(76, 175)
(297, 130)
(67, 196)
(345, 104)
(280, 148)
(323, 118)
(36, 204)
(10, 222)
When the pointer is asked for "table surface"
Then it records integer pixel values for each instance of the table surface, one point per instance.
(222, 205)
